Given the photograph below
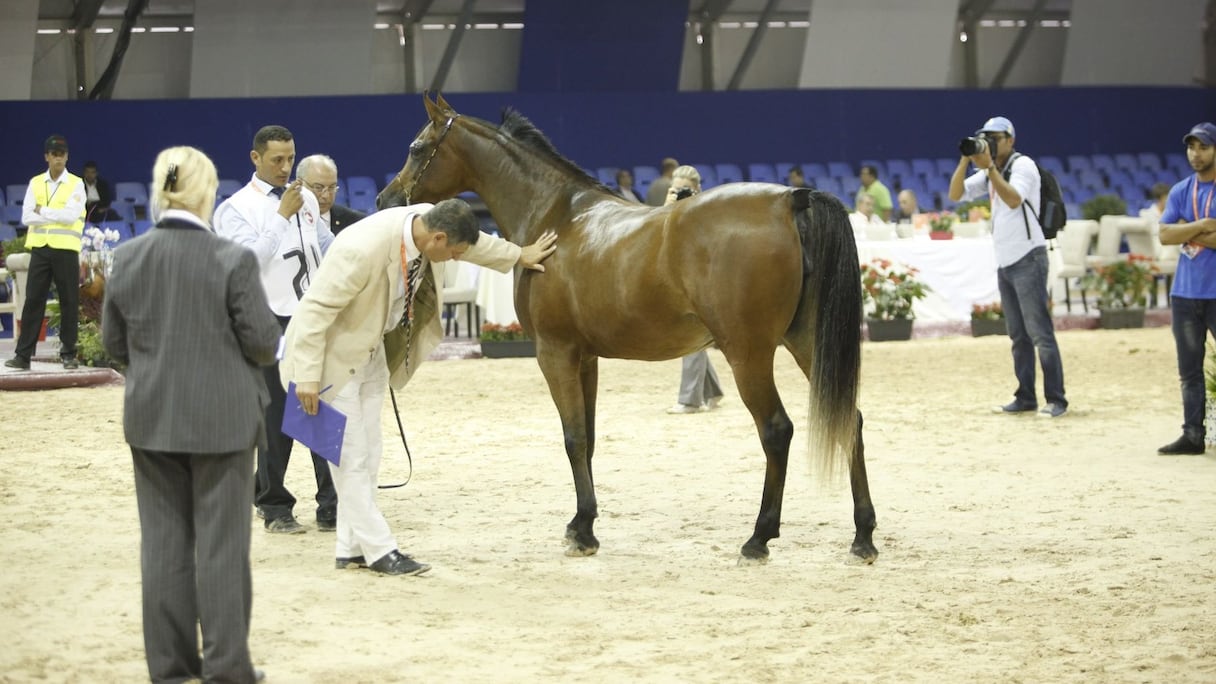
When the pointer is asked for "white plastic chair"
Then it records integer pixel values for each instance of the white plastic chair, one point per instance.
(460, 289)
(1072, 243)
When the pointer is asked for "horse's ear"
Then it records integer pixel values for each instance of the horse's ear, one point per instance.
(443, 104)
(434, 111)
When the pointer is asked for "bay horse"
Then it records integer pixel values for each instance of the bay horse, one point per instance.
(745, 266)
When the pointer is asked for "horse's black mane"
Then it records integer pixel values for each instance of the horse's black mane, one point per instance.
(518, 126)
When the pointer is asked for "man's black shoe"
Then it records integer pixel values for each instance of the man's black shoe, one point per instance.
(1183, 445)
(18, 363)
(1016, 407)
(325, 525)
(70, 363)
(352, 562)
(397, 563)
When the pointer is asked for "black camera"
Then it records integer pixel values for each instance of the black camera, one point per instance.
(683, 193)
(977, 145)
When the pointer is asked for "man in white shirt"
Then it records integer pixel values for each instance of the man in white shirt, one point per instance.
(281, 224)
(320, 174)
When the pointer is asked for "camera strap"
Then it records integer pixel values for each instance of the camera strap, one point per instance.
(1006, 173)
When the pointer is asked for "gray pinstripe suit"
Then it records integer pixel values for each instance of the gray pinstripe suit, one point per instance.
(186, 311)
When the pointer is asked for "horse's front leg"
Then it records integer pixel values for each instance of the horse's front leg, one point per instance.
(572, 383)
(864, 518)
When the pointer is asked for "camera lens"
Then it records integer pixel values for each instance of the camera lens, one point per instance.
(972, 146)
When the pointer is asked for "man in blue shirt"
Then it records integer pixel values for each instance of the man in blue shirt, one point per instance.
(1188, 220)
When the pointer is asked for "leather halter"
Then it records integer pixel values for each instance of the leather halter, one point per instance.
(425, 165)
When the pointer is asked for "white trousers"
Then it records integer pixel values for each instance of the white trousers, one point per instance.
(362, 529)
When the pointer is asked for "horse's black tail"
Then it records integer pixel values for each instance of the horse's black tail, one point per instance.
(829, 311)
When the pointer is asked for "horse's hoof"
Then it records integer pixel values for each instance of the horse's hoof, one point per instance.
(753, 552)
(867, 553)
(745, 561)
(575, 550)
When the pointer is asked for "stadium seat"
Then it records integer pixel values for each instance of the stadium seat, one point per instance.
(783, 170)
(1052, 164)
(709, 177)
(1174, 162)
(878, 166)
(364, 203)
(227, 188)
(135, 193)
(124, 208)
(12, 214)
(840, 169)
(16, 194)
(1091, 179)
(899, 168)
(2, 202)
(728, 173)
(606, 175)
(828, 184)
(923, 166)
(1102, 162)
(140, 227)
(643, 176)
(1127, 162)
(762, 173)
(388, 179)
(812, 169)
(945, 166)
(360, 186)
(8, 232)
(1150, 161)
(1078, 163)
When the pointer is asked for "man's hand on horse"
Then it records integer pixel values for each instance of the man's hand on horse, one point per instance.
(309, 395)
(531, 256)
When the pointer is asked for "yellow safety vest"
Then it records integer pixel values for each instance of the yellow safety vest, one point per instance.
(55, 235)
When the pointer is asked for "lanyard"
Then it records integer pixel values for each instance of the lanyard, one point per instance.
(1207, 207)
(59, 183)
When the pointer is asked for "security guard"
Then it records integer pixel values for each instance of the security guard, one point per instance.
(54, 213)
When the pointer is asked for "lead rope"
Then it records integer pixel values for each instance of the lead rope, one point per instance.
(400, 431)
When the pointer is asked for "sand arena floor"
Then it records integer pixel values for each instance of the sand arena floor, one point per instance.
(1013, 549)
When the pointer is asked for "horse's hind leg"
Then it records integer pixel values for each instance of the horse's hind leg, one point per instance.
(754, 379)
(864, 518)
(572, 383)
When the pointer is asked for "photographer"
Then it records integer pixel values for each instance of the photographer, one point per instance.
(1011, 179)
(699, 387)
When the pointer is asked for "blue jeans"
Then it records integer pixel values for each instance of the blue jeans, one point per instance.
(1023, 287)
(1193, 320)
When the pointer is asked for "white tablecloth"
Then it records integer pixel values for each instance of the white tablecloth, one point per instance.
(496, 296)
(960, 272)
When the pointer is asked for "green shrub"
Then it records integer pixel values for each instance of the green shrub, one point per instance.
(1103, 205)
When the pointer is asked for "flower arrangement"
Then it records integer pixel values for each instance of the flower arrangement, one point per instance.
(96, 259)
(987, 312)
(1122, 284)
(493, 332)
(891, 288)
(977, 210)
(941, 222)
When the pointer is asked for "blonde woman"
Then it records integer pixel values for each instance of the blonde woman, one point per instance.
(699, 387)
(185, 310)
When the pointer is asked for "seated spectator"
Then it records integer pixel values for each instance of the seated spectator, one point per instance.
(866, 215)
(99, 195)
(796, 179)
(1159, 192)
(908, 206)
(624, 186)
(870, 185)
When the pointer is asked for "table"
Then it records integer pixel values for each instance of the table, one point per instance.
(496, 296)
(960, 272)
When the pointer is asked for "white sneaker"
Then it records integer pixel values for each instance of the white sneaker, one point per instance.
(713, 403)
(684, 408)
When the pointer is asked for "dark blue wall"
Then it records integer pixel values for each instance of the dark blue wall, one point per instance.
(368, 135)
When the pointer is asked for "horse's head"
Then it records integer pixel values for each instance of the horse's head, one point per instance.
(431, 170)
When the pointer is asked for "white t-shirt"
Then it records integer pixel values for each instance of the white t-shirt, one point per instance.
(1008, 225)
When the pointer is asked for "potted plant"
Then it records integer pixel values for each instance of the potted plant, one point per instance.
(1098, 206)
(940, 225)
(988, 319)
(503, 341)
(1122, 288)
(889, 290)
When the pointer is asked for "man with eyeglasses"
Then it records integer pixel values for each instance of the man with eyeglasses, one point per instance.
(1011, 179)
(320, 174)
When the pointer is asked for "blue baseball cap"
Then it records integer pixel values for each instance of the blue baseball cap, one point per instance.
(1203, 132)
(997, 124)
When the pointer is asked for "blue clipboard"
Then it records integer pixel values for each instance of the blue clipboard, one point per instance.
(322, 433)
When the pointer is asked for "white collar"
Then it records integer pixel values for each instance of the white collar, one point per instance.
(183, 215)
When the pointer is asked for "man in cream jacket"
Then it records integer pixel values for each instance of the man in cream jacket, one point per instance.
(369, 319)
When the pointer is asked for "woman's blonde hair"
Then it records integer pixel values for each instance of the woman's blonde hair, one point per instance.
(688, 173)
(184, 178)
